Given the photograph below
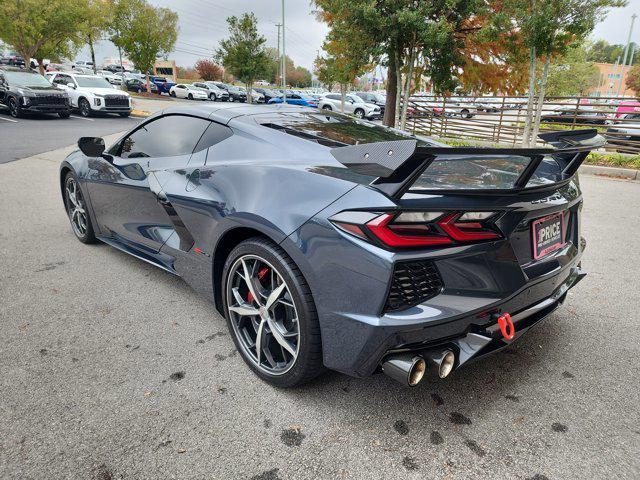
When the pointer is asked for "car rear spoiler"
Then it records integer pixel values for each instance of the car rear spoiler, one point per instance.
(397, 164)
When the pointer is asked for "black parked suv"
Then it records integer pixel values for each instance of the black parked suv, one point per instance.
(268, 93)
(24, 91)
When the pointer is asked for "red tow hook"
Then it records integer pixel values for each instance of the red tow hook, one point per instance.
(506, 326)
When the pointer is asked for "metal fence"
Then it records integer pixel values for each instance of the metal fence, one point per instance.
(501, 120)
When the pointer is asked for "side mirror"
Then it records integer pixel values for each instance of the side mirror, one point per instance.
(91, 146)
(71, 85)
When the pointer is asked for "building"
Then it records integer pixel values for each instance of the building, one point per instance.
(166, 69)
(609, 81)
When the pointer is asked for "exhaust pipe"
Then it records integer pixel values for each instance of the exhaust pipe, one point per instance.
(406, 368)
(441, 362)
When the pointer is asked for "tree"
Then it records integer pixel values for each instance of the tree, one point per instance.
(152, 32)
(572, 74)
(548, 28)
(209, 70)
(633, 79)
(122, 12)
(36, 28)
(96, 24)
(243, 54)
(299, 77)
(603, 52)
(415, 39)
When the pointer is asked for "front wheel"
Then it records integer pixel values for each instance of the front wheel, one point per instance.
(14, 108)
(359, 113)
(327, 107)
(212, 97)
(77, 210)
(231, 98)
(85, 108)
(190, 97)
(172, 94)
(271, 314)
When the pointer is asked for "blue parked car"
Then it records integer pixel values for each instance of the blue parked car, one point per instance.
(297, 99)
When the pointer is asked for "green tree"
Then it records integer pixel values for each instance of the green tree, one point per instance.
(122, 13)
(299, 77)
(151, 33)
(548, 28)
(96, 24)
(243, 54)
(572, 74)
(39, 28)
(602, 51)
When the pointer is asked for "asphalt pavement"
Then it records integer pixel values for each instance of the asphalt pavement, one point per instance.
(113, 369)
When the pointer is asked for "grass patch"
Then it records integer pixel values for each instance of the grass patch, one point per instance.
(614, 160)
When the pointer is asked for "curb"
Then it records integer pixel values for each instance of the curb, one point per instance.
(613, 172)
(140, 113)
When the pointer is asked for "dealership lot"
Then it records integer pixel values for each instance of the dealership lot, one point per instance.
(110, 368)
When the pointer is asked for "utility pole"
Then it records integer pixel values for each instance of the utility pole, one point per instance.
(279, 61)
(283, 74)
(624, 56)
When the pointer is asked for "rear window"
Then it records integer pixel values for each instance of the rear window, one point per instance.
(334, 130)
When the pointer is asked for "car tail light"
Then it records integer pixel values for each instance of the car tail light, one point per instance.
(419, 229)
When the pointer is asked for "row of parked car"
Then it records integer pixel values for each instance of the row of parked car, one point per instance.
(24, 91)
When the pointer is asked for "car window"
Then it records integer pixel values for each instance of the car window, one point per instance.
(63, 79)
(215, 133)
(333, 97)
(166, 136)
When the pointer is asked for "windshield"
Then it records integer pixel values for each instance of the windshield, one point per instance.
(355, 98)
(26, 79)
(93, 82)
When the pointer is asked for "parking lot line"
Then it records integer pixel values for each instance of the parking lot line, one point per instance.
(9, 119)
(82, 118)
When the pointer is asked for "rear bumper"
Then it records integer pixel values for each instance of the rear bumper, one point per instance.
(471, 336)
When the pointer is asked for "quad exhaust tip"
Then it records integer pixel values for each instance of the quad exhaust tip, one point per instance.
(409, 368)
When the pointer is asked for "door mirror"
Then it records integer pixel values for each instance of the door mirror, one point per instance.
(91, 146)
(71, 85)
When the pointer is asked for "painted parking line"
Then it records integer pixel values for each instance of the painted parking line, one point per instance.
(9, 120)
(82, 118)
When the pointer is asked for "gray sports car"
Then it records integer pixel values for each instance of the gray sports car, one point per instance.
(331, 242)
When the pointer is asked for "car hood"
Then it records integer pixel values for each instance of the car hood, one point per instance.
(102, 91)
(41, 90)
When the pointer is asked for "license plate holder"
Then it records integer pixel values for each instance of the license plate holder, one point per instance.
(548, 234)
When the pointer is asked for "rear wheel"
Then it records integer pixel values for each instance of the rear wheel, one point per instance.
(271, 314)
(77, 210)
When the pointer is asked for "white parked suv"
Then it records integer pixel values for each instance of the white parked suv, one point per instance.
(352, 104)
(215, 92)
(187, 90)
(92, 94)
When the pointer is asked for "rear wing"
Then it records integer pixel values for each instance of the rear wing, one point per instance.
(398, 164)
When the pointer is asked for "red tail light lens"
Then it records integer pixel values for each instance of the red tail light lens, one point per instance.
(419, 229)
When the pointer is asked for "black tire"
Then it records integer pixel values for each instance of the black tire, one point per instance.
(172, 94)
(190, 97)
(465, 113)
(84, 107)
(327, 107)
(359, 113)
(212, 97)
(64, 114)
(308, 363)
(88, 236)
(14, 108)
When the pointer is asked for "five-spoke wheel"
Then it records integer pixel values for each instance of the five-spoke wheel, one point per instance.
(271, 313)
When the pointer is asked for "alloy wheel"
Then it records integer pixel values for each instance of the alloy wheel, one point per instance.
(359, 114)
(13, 108)
(263, 314)
(76, 208)
(85, 109)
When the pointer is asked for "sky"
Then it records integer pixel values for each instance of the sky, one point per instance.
(203, 24)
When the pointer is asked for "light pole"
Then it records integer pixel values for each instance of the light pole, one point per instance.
(283, 75)
(624, 55)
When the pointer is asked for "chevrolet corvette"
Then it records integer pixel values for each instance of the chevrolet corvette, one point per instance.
(328, 242)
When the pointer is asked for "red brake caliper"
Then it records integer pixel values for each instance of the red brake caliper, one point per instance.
(261, 275)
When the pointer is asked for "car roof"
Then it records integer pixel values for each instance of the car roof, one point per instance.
(225, 112)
